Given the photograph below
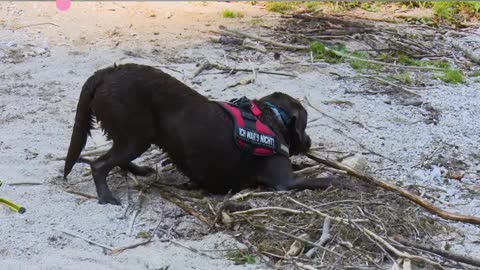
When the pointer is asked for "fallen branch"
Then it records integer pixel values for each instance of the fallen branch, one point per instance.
(241, 196)
(307, 101)
(231, 70)
(444, 253)
(397, 252)
(337, 219)
(404, 193)
(272, 208)
(81, 194)
(266, 40)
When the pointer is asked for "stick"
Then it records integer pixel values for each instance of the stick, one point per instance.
(241, 196)
(191, 249)
(202, 67)
(122, 248)
(307, 101)
(389, 83)
(397, 252)
(308, 170)
(218, 214)
(131, 222)
(468, 53)
(337, 219)
(224, 68)
(323, 238)
(266, 40)
(301, 240)
(35, 24)
(87, 154)
(85, 239)
(404, 193)
(25, 184)
(184, 206)
(446, 254)
(272, 208)
(81, 194)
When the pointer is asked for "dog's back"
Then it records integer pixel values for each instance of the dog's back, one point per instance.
(140, 105)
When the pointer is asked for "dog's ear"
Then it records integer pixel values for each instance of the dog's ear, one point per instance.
(298, 123)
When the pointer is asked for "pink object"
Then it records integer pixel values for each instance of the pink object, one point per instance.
(63, 5)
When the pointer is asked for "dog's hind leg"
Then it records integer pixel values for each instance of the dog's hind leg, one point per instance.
(120, 155)
(137, 170)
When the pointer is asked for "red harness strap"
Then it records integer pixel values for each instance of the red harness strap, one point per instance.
(251, 133)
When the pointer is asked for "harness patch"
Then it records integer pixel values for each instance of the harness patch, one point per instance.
(250, 133)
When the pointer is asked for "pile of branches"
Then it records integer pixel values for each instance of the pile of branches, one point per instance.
(333, 228)
(416, 42)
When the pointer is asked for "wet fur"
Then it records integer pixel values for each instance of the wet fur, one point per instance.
(139, 105)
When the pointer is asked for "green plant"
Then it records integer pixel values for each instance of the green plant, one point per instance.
(359, 64)
(281, 7)
(232, 14)
(319, 51)
(476, 73)
(242, 257)
(312, 6)
(445, 10)
(453, 76)
(370, 6)
(256, 21)
(403, 77)
(408, 61)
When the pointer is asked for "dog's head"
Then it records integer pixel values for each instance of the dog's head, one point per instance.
(297, 121)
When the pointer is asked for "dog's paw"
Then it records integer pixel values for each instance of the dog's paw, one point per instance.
(109, 200)
(145, 170)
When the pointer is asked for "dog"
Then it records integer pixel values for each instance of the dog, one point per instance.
(138, 105)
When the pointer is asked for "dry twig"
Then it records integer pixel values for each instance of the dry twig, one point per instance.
(337, 219)
(404, 193)
(85, 239)
(444, 253)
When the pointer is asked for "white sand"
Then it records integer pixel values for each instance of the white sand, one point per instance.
(43, 67)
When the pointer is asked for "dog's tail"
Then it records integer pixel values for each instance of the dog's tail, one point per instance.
(83, 122)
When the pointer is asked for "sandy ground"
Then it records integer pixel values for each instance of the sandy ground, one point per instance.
(42, 68)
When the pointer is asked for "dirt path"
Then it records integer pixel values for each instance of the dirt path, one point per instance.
(42, 68)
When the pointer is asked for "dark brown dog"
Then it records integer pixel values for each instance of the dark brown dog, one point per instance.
(139, 105)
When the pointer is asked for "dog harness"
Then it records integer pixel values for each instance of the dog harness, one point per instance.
(250, 134)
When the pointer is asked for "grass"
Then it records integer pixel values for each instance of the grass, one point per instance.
(448, 10)
(449, 75)
(281, 7)
(256, 21)
(453, 76)
(232, 14)
(403, 77)
(242, 257)
(321, 52)
(476, 73)
(359, 64)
